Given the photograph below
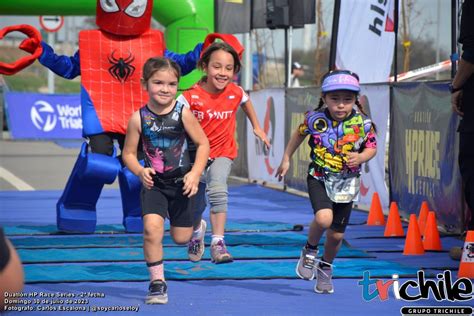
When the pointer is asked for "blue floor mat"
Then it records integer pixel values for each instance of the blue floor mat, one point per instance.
(396, 244)
(258, 226)
(118, 241)
(344, 268)
(170, 253)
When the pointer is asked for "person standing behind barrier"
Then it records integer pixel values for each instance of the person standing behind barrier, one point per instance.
(462, 102)
(297, 72)
(341, 140)
(167, 177)
(214, 100)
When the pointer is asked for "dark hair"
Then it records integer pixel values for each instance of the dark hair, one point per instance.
(206, 55)
(155, 64)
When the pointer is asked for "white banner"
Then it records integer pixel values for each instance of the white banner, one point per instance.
(363, 44)
(269, 105)
(376, 102)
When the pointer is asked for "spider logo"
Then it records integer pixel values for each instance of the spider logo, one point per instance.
(121, 68)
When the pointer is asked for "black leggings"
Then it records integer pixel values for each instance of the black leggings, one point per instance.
(466, 167)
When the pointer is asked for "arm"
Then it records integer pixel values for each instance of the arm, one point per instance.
(356, 159)
(67, 67)
(194, 130)
(187, 61)
(11, 275)
(295, 141)
(129, 153)
(465, 71)
(252, 116)
(466, 63)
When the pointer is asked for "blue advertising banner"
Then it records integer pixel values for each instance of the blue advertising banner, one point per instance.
(43, 116)
(423, 152)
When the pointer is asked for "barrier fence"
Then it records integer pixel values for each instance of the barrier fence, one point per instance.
(417, 147)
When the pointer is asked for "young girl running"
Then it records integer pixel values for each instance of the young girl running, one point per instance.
(341, 139)
(168, 180)
(214, 100)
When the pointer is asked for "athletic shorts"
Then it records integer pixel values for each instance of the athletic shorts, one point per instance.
(320, 200)
(167, 200)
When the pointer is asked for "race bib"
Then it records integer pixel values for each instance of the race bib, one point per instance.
(342, 188)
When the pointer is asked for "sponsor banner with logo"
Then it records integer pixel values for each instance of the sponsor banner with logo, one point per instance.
(269, 106)
(375, 100)
(43, 116)
(240, 166)
(298, 101)
(366, 27)
(424, 152)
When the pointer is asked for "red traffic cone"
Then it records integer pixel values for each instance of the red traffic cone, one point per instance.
(466, 266)
(376, 217)
(394, 224)
(413, 242)
(423, 216)
(431, 240)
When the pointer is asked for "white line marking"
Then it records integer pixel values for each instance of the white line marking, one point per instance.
(19, 184)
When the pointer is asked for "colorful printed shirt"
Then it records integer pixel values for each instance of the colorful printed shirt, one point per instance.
(331, 140)
(217, 115)
(164, 142)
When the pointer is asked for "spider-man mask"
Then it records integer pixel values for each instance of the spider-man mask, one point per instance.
(124, 17)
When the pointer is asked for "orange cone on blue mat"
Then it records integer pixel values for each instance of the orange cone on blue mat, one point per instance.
(431, 240)
(413, 242)
(466, 267)
(423, 216)
(394, 224)
(376, 217)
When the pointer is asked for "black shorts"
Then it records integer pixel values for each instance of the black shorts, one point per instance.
(167, 200)
(320, 200)
(4, 251)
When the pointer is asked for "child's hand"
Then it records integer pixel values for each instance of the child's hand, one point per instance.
(146, 177)
(191, 182)
(263, 137)
(354, 160)
(282, 169)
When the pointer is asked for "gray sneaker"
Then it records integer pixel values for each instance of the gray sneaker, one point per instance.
(157, 292)
(219, 253)
(196, 245)
(307, 263)
(324, 282)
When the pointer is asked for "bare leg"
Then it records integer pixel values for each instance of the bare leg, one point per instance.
(332, 245)
(322, 220)
(218, 223)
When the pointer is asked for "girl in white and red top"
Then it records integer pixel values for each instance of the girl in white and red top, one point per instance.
(214, 101)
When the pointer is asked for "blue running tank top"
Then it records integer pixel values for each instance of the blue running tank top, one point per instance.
(164, 142)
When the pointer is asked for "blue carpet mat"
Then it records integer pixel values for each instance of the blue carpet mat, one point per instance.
(345, 268)
(121, 241)
(170, 253)
(258, 226)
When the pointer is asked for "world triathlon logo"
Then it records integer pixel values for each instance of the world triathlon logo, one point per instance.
(43, 116)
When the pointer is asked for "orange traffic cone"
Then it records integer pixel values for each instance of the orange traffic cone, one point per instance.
(431, 240)
(466, 267)
(423, 216)
(375, 214)
(394, 224)
(413, 242)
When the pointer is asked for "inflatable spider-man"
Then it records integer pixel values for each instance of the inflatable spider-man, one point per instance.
(109, 61)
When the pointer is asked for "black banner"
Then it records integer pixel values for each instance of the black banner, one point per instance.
(424, 152)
